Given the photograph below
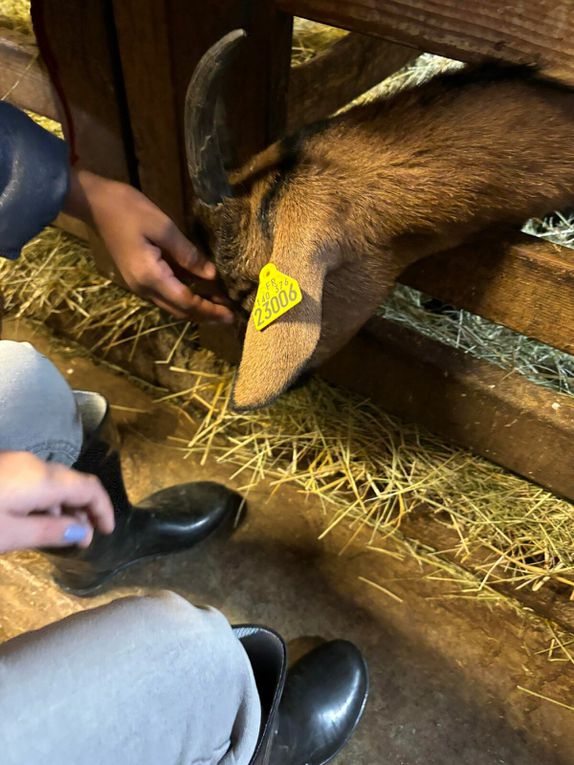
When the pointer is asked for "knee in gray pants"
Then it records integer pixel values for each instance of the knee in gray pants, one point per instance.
(139, 681)
(38, 411)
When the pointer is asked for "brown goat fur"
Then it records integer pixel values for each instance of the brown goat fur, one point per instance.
(345, 205)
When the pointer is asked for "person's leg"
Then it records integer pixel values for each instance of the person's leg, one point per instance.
(41, 414)
(38, 411)
(140, 681)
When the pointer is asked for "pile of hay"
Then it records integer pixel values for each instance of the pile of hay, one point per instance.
(15, 15)
(366, 467)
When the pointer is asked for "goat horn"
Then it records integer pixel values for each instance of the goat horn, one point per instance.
(204, 159)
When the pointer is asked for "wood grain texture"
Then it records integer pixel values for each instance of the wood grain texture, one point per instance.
(82, 42)
(24, 81)
(518, 31)
(516, 280)
(143, 44)
(499, 415)
(336, 77)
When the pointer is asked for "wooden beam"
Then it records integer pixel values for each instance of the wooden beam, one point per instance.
(498, 414)
(537, 31)
(72, 226)
(336, 77)
(553, 601)
(24, 81)
(519, 281)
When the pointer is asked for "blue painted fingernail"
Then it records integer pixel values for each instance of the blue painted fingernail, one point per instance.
(75, 534)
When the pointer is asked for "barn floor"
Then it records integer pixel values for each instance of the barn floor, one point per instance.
(445, 670)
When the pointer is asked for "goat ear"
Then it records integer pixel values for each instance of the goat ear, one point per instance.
(273, 358)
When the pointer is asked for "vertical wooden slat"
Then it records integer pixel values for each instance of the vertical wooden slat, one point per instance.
(144, 51)
(82, 47)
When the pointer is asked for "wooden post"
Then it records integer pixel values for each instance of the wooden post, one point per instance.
(144, 51)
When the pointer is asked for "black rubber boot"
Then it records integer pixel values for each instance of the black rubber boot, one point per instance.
(171, 520)
(310, 711)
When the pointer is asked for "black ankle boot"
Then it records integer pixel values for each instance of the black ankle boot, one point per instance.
(309, 712)
(168, 521)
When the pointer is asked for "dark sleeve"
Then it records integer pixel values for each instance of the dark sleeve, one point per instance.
(34, 178)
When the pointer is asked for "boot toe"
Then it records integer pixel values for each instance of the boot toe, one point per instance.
(193, 509)
(324, 699)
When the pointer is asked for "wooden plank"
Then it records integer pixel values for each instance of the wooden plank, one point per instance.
(333, 79)
(143, 43)
(72, 226)
(24, 81)
(499, 415)
(551, 601)
(519, 281)
(537, 31)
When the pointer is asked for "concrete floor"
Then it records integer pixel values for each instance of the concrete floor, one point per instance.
(444, 670)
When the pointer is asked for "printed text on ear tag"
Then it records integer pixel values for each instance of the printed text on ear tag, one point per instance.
(277, 293)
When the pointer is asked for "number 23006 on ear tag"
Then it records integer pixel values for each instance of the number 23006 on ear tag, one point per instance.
(277, 293)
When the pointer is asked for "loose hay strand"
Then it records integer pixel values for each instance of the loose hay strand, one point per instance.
(381, 589)
(546, 698)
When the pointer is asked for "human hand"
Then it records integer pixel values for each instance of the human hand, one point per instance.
(44, 504)
(146, 247)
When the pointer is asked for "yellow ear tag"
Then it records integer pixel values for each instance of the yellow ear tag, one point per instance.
(277, 293)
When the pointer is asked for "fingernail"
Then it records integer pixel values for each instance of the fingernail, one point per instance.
(75, 534)
(209, 270)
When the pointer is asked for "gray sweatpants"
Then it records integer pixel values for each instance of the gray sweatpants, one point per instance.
(147, 680)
